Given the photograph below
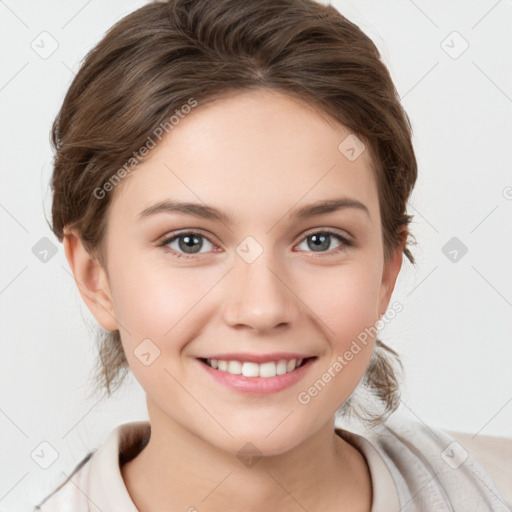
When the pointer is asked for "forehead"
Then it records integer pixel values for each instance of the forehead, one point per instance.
(249, 150)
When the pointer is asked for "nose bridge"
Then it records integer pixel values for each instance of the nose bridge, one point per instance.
(258, 297)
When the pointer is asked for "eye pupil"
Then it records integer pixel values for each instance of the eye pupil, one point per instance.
(187, 242)
(319, 241)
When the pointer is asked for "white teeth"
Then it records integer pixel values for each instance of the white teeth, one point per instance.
(281, 367)
(290, 366)
(235, 367)
(250, 369)
(270, 369)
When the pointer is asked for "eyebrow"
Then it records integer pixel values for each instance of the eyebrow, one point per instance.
(209, 212)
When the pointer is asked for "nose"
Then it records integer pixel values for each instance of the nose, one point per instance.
(258, 296)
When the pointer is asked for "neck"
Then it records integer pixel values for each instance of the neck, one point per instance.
(180, 469)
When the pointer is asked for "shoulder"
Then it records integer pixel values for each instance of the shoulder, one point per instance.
(97, 478)
(494, 454)
(431, 469)
(69, 495)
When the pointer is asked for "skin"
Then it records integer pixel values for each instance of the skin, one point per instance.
(256, 156)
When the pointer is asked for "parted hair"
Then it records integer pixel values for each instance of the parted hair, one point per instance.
(158, 58)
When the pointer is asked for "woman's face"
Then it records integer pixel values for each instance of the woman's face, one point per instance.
(250, 279)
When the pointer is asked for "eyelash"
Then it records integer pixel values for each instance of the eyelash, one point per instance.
(345, 243)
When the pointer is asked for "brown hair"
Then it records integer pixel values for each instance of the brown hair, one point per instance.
(165, 54)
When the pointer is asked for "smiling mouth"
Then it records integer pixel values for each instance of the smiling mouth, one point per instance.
(251, 369)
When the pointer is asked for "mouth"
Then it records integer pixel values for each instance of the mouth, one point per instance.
(257, 374)
(252, 369)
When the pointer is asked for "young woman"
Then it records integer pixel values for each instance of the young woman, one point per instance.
(230, 185)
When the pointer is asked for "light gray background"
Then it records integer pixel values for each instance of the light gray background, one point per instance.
(454, 331)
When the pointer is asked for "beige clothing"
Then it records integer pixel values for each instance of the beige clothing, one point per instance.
(413, 468)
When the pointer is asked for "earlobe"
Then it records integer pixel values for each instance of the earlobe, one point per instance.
(91, 280)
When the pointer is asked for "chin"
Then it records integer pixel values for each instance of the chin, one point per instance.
(257, 442)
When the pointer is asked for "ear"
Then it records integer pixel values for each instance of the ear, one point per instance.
(91, 279)
(390, 272)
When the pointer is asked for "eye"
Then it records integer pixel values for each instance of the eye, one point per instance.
(188, 244)
(320, 241)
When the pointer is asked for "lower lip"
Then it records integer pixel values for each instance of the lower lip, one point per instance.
(258, 385)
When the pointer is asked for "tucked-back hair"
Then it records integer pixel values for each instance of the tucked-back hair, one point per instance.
(168, 54)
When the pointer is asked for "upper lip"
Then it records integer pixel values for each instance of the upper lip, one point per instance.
(258, 358)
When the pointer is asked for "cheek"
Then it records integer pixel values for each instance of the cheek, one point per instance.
(356, 311)
(158, 304)
(351, 338)
(346, 300)
(159, 310)
(349, 312)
